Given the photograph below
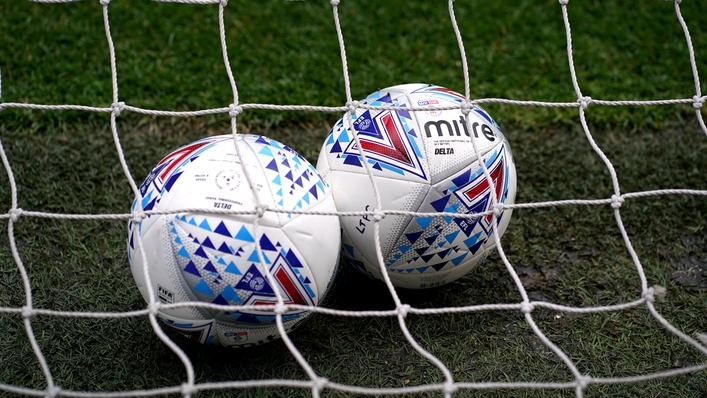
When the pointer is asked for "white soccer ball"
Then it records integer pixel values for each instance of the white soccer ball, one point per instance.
(421, 161)
(197, 256)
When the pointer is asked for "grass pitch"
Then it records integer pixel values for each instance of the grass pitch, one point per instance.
(286, 53)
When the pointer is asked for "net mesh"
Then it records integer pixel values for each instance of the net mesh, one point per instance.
(316, 383)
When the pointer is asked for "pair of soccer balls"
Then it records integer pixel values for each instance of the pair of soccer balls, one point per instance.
(416, 161)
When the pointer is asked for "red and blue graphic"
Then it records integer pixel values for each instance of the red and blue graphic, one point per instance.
(225, 268)
(169, 169)
(435, 243)
(388, 140)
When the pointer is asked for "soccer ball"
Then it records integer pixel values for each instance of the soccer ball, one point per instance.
(197, 256)
(422, 161)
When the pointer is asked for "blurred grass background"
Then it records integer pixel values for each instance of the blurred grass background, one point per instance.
(286, 52)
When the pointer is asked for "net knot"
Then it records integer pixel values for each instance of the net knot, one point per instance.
(28, 312)
(117, 107)
(583, 381)
(466, 107)
(334, 2)
(564, 2)
(656, 291)
(105, 2)
(137, 216)
(15, 214)
(319, 384)
(583, 101)
(260, 211)
(234, 110)
(403, 310)
(224, 3)
(498, 209)
(280, 309)
(52, 391)
(378, 215)
(616, 201)
(352, 106)
(154, 308)
(188, 390)
(526, 307)
(450, 388)
(697, 102)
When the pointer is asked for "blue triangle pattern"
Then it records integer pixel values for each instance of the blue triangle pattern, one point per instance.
(202, 287)
(232, 269)
(205, 225)
(243, 234)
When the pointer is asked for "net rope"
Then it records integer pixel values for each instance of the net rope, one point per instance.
(317, 383)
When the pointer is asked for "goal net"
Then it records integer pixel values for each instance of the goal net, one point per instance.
(314, 383)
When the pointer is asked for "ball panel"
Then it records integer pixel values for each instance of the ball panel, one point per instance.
(354, 193)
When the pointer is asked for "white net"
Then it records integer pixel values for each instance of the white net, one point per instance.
(315, 383)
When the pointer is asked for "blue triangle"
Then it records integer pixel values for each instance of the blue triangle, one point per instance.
(177, 240)
(205, 225)
(439, 266)
(344, 137)
(424, 222)
(183, 252)
(352, 160)
(377, 166)
(272, 166)
(431, 239)
(192, 222)
(450, 237)
(219, 300)
(293, 260)
(262, 140)
(207, 243)
(191, 268)
(265, 244)
(422, 269)
(222, 230)
(221, 261)
(265, 151)
(200, 252)
(254, 257)
(224, 248)
(427, 258)
(243, 234)
(414, 236)
(229, 294)
(231, 268)
(289, 175)
(463, 178)
(202, 287)
(459, 259)
(276, 180)
(440, 204)
(210, 267)
(313, 191)
(420, 251)
(404, 248)
(472, 240)
(330, 139)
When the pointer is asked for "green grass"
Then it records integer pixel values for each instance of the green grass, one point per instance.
(286, 52)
